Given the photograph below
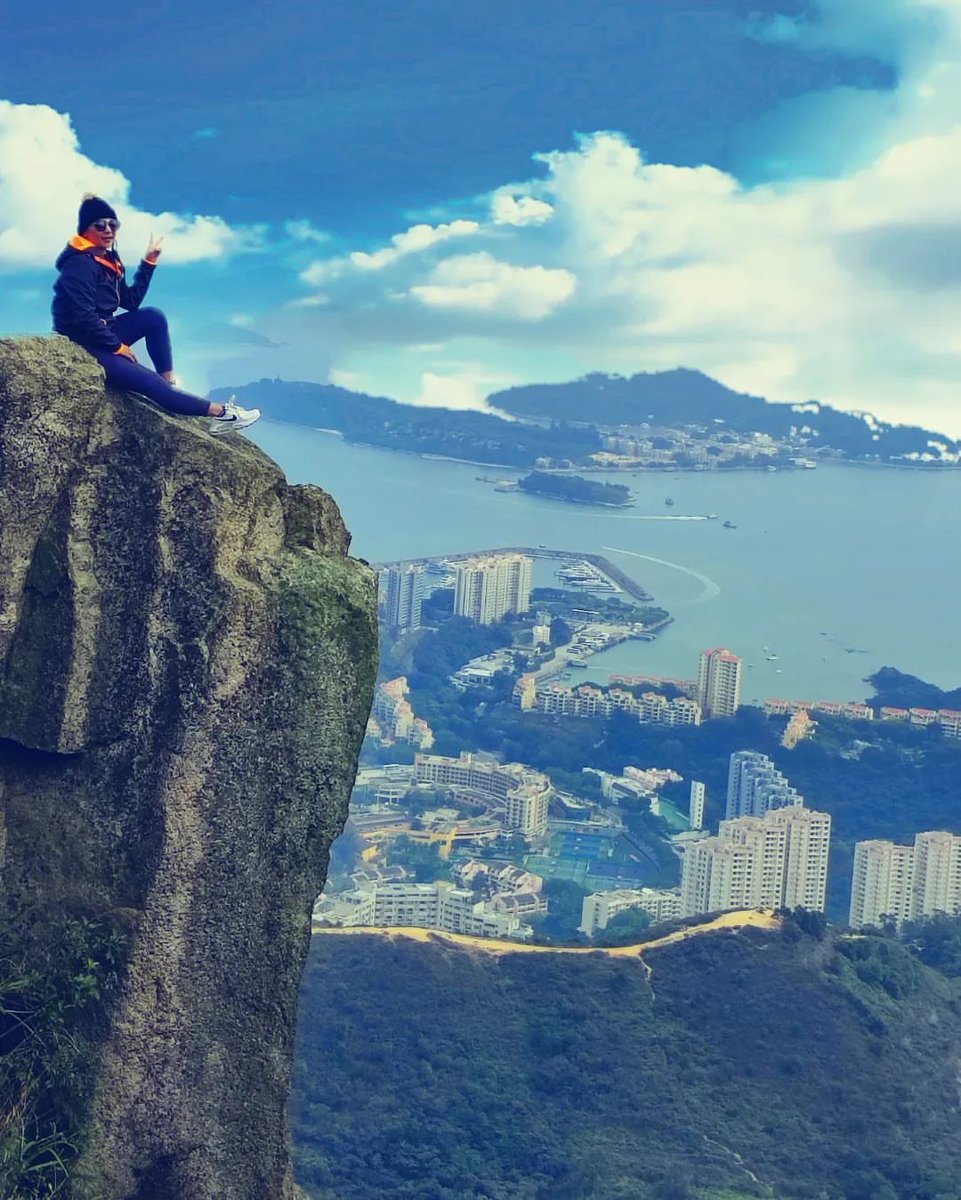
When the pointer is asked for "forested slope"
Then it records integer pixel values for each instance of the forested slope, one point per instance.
(678, 397)
(749, 1064)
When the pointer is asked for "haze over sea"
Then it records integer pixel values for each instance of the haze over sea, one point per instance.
(836, 571)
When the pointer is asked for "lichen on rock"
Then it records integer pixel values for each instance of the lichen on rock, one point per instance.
(187, 656)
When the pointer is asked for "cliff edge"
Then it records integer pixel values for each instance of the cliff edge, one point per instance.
(187, 655)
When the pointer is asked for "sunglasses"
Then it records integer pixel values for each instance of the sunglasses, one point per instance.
(105, 224)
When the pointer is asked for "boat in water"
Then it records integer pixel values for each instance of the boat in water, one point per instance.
(586, 576)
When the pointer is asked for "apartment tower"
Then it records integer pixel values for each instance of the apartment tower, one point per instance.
(755, 786)
(937, 875)
(882, 884)
(906, 883)
(719, 683)
(404, 588)
(487, 589)
(696, 806)
(779, 860)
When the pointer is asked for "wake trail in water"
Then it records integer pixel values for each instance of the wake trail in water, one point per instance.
(645, 516)
(711, 589)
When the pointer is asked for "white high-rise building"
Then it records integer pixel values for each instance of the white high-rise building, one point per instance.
(779, 860)
(906, 883)
(696, 806)
(719, 682)
(768, 845)
(882, 884)
(520, 571)
(937, 874)
(717, 875)
(807, 843)
(404, 588)
(487, 589)
(755, 786)
(526, 809)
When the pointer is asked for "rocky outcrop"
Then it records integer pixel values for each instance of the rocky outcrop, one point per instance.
(187, 656)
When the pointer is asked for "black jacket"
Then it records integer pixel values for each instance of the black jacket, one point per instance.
(90, 288)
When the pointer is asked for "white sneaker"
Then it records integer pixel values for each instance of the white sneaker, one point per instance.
(234, 418)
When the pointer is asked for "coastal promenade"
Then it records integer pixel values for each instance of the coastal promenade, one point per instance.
(616, 576)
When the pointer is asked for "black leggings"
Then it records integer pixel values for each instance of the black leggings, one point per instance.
(149, 323)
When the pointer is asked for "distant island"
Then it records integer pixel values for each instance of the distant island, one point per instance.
(575, 489)
(667, 421)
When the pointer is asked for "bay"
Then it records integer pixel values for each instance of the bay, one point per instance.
(836, 571)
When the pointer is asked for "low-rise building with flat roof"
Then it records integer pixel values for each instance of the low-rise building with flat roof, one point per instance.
(661, 904)
(439, 906)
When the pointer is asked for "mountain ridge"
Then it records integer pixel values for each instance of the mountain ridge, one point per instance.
(560, 421)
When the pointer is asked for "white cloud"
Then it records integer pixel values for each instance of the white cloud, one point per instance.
(846, 289)
(347, 379)
(449, 391)
(317, 300)
(464, 388)
(43, 175)
(510, 209)
(303, 231)
(480, 283)
(831, 132)
(841, 283)
(416, 239)
(413, 241)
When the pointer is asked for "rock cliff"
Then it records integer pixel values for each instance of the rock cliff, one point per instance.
(187, 656)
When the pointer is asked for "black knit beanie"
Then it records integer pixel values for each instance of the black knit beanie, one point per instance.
(93, 209)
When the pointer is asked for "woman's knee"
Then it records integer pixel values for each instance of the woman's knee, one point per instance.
(155, 317)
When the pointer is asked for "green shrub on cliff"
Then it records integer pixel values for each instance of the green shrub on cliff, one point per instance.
(50, 1017)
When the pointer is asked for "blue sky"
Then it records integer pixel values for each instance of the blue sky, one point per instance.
(432, 201)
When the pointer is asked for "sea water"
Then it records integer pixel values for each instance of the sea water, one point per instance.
(828, 575)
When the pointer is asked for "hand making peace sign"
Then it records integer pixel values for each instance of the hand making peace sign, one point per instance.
(153, 250)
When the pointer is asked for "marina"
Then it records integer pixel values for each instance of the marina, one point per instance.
(599, 571)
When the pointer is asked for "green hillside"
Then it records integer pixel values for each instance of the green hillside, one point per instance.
(378, 421)
(748, 1064)
(674, 398)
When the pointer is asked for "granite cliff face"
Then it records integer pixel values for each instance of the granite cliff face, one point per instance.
(187, 655)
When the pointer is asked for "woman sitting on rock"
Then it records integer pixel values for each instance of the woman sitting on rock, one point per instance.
(90, 288)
